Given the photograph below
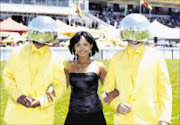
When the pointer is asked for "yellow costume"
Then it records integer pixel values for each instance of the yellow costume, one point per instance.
(142, 79)
(29, 72)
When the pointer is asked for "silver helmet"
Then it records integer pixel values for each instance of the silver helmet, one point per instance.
(43, 29)
(135, 27)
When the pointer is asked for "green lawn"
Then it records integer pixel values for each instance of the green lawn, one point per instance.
(61, 107)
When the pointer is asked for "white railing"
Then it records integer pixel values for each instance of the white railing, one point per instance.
(103, 54)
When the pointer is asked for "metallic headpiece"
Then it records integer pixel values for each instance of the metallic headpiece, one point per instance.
(43, 29)
(135, 27)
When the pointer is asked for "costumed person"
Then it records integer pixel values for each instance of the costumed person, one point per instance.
(83, 74)
(34, 76)
(141, 77)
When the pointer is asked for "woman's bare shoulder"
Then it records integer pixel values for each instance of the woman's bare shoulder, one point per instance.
(69, 65)
(100, 64)
(70, 62)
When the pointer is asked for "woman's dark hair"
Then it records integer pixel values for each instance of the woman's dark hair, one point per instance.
(75, 39)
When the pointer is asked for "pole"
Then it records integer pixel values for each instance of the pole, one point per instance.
(140, 6)
(125, 9)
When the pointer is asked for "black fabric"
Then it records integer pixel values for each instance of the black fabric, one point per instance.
(85, 119)
(84, 97)
(85, 106)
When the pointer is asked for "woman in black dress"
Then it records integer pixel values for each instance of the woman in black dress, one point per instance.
(83, 74)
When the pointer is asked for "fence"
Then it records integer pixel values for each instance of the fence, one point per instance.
(103, 54)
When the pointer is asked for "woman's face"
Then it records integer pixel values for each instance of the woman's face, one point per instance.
(83, 47)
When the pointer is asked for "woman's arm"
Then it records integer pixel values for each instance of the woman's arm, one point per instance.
(102, 72)
(66, 70)
(110, 96)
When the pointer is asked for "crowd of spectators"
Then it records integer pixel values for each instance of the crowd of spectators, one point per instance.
(113, 15)
(80, 22)
(115, 18)
(15, 44)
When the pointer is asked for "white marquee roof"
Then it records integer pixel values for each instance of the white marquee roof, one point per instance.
(35, 9)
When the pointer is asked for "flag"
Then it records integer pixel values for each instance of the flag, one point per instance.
(143, 2)
(78, 11)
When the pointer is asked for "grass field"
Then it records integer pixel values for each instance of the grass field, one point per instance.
(61, 107)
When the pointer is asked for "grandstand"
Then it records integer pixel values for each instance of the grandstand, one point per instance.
(25, 10)
(112, 11)
(154, 3)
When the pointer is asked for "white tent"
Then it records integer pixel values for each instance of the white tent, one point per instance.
(161, 31)
(71, 30)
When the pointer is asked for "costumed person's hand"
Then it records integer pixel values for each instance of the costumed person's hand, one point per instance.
(50, 93)
(22, 100)
(124, 108)
(163, 123)
(110, 96)
(32, 102)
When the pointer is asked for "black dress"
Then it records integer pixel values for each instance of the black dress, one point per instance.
(85, 107)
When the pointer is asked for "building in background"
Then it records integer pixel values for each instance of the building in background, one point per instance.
(23, 11)
(110, 11)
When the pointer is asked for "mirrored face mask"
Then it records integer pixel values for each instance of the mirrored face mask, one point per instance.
(135, 27)
(43, 29)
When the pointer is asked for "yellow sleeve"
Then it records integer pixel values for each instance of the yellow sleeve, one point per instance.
(110, 82)
(59, 84)
(109, 85)
(9, 81)
(114, 104)
(165, 92)
(59, 80)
